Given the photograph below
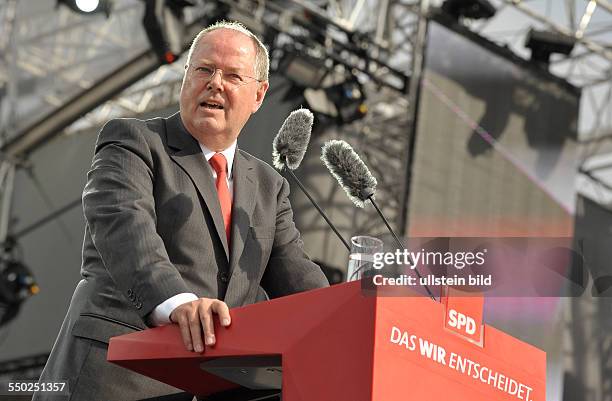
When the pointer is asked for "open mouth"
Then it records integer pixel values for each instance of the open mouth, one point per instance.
(211, 106)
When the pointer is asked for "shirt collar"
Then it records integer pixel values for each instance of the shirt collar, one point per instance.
(228, 153)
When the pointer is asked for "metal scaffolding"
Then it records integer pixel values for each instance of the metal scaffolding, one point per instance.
(61, 73)
(51, 56)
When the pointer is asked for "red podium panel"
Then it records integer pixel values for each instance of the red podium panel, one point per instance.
(338, 344)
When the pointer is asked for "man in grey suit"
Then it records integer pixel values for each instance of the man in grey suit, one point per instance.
(181, 225)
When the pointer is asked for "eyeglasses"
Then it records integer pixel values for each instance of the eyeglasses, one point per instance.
(231, 79)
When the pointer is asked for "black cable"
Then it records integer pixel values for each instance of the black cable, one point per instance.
(399, 243)
(346, 244)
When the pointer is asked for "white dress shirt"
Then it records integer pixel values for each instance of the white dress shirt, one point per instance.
(161, 314)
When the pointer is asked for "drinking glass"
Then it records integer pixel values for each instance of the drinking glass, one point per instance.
(361, 258)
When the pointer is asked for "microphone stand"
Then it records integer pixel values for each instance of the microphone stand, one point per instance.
(314, 203)
(368, 194)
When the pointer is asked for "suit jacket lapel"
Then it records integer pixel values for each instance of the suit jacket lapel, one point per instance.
(245, 188)
(189, 156)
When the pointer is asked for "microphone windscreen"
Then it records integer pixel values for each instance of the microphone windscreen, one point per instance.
(291, 142)
(350, 171)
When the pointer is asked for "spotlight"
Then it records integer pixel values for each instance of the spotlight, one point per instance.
(16, 282)
(545, 43)
(165, 27)
(349, 100)
(344, 102)
(88, 6)
(302, 69)
(472, 9)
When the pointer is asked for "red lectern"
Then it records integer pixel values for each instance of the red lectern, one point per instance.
(339, 343)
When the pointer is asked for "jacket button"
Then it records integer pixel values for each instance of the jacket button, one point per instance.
(139, 305)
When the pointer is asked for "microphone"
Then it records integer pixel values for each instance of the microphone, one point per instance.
(349, 170)
(290, 144)
(360, 185)
(288, 150)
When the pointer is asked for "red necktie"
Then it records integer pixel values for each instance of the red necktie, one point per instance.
(219, 163)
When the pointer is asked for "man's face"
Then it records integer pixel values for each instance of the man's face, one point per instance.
(215, 110)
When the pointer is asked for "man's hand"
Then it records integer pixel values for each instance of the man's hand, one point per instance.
(197, 316)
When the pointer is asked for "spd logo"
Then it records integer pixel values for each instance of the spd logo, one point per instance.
(464, 316)
(461, 322)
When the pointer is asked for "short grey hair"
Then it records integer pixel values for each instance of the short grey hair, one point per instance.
(262, 58)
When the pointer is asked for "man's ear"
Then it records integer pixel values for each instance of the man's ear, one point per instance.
(261, 93)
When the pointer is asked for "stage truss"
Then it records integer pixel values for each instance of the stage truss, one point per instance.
(49, 55)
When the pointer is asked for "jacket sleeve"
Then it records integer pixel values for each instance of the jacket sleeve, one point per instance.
(289, 269)
(119, 210)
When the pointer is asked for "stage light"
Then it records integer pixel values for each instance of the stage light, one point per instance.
(16, 282)
(165, 27)
(545, 43)
(349, 100)
(302, 69)
(472, 9)
(88, 6)
(344, 102)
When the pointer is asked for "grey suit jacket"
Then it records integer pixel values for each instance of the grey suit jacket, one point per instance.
(154, 229)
